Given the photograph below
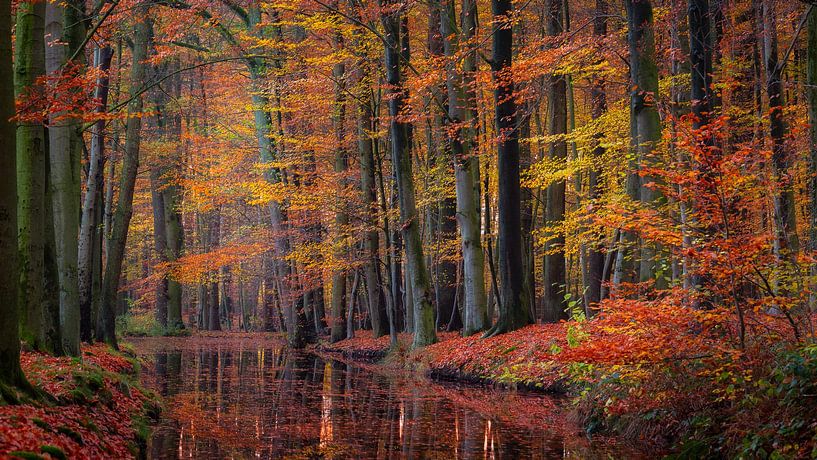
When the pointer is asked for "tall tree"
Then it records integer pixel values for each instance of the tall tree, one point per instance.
(341, 164)
(92, 201)
(29, 62)
(10, 371)
(368, 187)
(130, 167)
(461, 142)
(441, 215)
(64, 163)
(513, 308)
(555, 307)
(417, 273)
(785, 223)
(645, 120)
(811, 93)
(598, 96)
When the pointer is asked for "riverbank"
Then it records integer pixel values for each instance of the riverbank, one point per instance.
(666, 379)
(93, 408)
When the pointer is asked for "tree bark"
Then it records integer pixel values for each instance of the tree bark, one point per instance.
(91, 201)
(513, 308)
(646, 123)
(29, 65)
(127, 181)
(811, 93)
(64, 169)
(598, 96)
(785, 224)
(341, 164)
(10, 371)
(459, 86)
(371, 242)
(555, 308)
(423, 309)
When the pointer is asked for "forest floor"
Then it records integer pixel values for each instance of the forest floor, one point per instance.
(520, 359)
(660, 388)
(89, 408)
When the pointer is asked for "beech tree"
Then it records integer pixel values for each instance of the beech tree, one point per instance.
(10, 371)
(513, 311)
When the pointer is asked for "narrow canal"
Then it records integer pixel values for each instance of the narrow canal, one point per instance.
(253, 398)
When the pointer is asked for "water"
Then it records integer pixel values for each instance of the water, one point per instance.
(252, 398)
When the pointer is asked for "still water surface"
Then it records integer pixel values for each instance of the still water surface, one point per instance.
(252, 398)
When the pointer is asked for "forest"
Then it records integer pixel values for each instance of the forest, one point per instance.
(602, 209)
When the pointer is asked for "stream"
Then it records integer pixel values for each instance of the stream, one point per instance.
(251, 397)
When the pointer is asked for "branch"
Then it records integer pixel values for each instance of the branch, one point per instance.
(91, 33)
(785, 59)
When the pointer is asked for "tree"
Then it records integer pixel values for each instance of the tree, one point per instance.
(513, 311)
(595, 254)
(786, 240)
(460, 88)
(645, 120)
(29, 65)
(130, 167)
(64, 163)
(811, 93)
(416, 271)
(341, 164)
(555, 307)
(10, 371)
(87, 256)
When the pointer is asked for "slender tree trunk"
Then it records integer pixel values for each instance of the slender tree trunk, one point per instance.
(130, 166)
(466, 163)
(341, 164)
(441, 221)
(424, 333)
(380, 323)
(811, 93)
(91, 202)
(171, 199)
(51, 278)
(786, 240)
(598, 95)
(513, 308)
(10, 371)
(65, 166)
(29, 65)
(159, 241)
(555, 282)
(213, 302)
(646, 122)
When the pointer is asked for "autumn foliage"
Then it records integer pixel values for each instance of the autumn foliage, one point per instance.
(93, 409)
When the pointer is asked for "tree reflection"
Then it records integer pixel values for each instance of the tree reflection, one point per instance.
(248, 400)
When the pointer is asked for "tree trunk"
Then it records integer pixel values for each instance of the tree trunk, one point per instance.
(10, 371)
(91, 201)
(423, 309)
(65, 166)
(159, 241)
(130, 167)
(811, 93)
(786, 240)
(646, 122)
(598, 95)
(513, 308)
(555, 307)
(341, 164)
(213, 301)
(29, 65)
(171, 199)
(371, 242)
(466, 164)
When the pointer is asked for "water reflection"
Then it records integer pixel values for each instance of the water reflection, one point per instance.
(244, 399)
